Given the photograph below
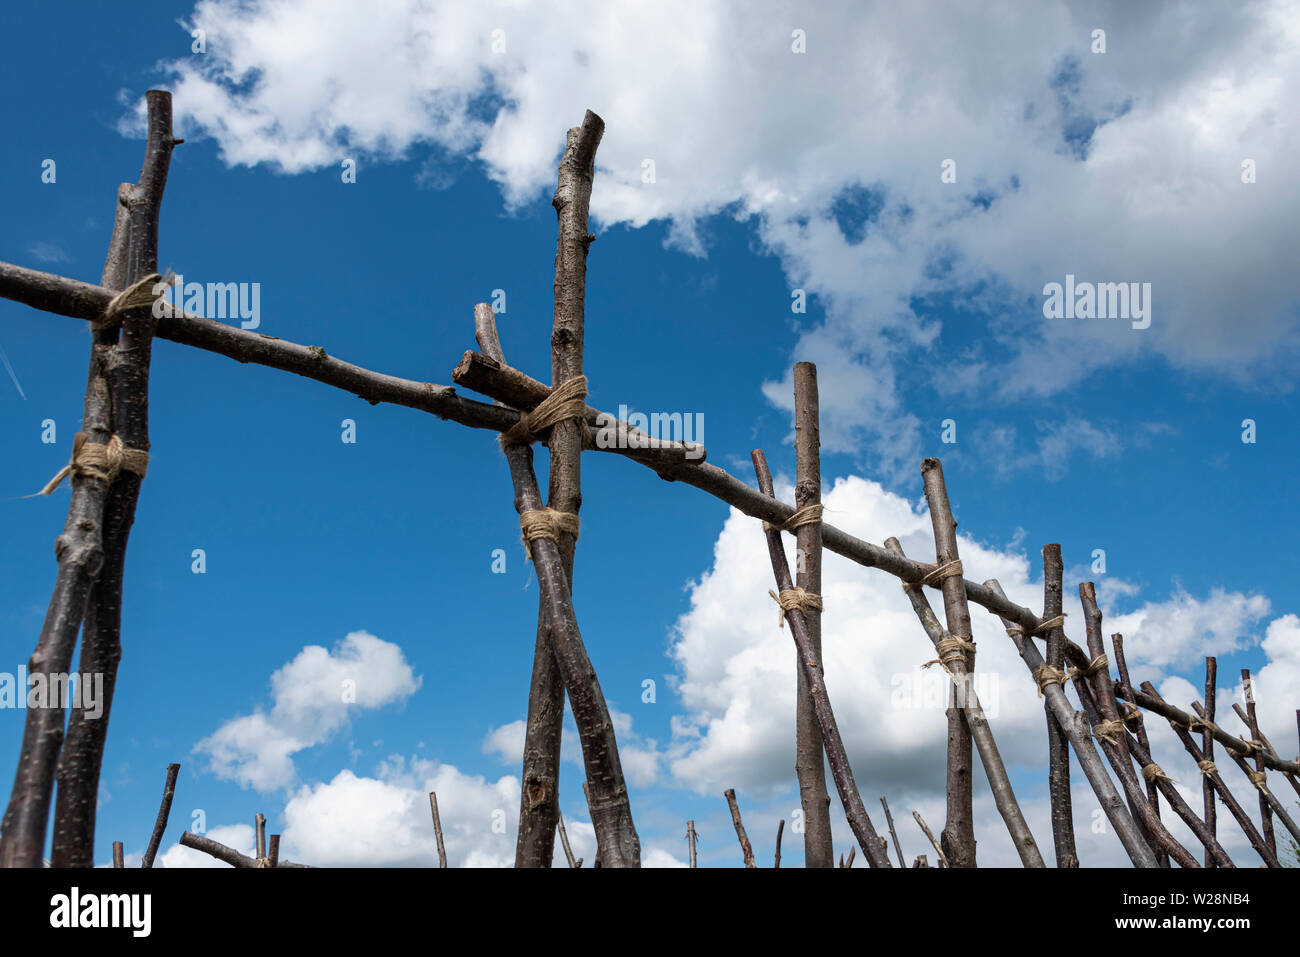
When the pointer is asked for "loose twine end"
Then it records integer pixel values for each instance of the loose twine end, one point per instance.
(103, 462)
(139, 293)
(792, 598)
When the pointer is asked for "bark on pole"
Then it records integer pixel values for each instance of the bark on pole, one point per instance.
(958, 835)
(690, 840)
(1139, 728)
(164, 812)
(119, 858)
(1207, 742)
(999, 781)
(1215, 780)
(889, 819)
(809, 762)
(539, 800)
(1058, 745)
(1111, 803)
(746, 849)
(780, 829)
(1265, 809)
(605, 789)
(943, 858)
(856, 813)
(437, 829)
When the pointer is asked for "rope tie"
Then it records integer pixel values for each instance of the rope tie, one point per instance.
(566, 401)
(792, 598)
(808, 515)
(1207, 767)
(547, 523)
(1153, 773)
(103, 462)
(1019, 631)
(1108, 731)
(940, 572)
(1099, 663)
(139, 293)
(950, 649)
(1047, 675)
(1257, 779)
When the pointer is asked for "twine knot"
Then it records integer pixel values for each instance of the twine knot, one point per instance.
(938, 573)
(139, 293)
(808, 515)
(103, 462)
(1108, 731)
(792, 598)
(1047, 675)
(1257, 778)
(951, 648)
(547, 523)
(1152, 772)
(1207, 767)
(566, 401)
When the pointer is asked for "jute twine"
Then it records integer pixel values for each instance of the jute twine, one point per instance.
(1207, 767)
(102, 462)
(1152, 772)
(1100, 663)
(1047, 675)
(1257, 778)
(1108, 731)
(548, 523)
(792, 598)
(940, 572)
(807, 515)
(139, 293)
(1043, 626)
(566, 401)
(951, 648)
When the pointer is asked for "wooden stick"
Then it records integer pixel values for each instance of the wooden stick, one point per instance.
(259, 827)
(745, 848)
(437, 830)
(943, 858)
(1263, 739)
(848, 861)
(1211, 774)
(859, 821)
(690, 840)
(889, 819)
(1058, 744)
(1111, 803)
(564, 841)
(1139, 728)
(999, 782)
(227, 854)
(1265, 811)
(1276, 806)
(920, 862)
(164, 812)
(809, 763)
(119, 859)
(273, 851)
(1207, 744)
(958, 835)
(780, 829)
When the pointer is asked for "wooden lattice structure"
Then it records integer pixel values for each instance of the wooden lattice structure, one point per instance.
(110, 459)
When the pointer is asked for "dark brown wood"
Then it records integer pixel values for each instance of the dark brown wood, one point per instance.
(119, 858)
(164, 812)
(920, 862)
(1139, 729)
(780, 829)
(229, 855)
(437, 829)
(745, 847)
(1058, 745)
(1102, 786)
(1218, 785)
(854, 810)
(889, 819)
(958, 835)
(1265, 809)
(981, 732)
(809, 759)
(1207, 743)
(273, 851)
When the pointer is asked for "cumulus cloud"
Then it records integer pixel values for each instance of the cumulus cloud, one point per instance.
(311, 697)
(1181, 631)
(1122, 166)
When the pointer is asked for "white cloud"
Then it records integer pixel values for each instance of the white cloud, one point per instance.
(1124, 166)
(1183, 630)
(507, 742)
(312, 696)
(241, 837)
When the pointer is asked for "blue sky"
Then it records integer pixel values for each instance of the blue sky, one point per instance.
(775, 171)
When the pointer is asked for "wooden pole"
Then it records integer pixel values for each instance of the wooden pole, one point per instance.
(690, 840)
(809, 760)
(889, 819)
(780, 829)
(1265, 810)
(164, 812)
(859, 821)
(745, 847)
(437, 829)
(1207, 744)
(1058, 744)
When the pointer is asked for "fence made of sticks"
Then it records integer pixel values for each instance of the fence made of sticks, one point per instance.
(1110, 737)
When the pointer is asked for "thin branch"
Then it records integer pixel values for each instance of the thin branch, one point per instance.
(437, 830)
(943, 858)
(1265, 811)
(1058, 744)
(1111, 803)
(859, 821)
(1139, 729)
(889, 819)
(690, 840)
(164, 812)
(1207, 744)
(999, 781)
(745, 847)
(564, 840)
(780, 829)
(1215, 780)
(227, 854)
